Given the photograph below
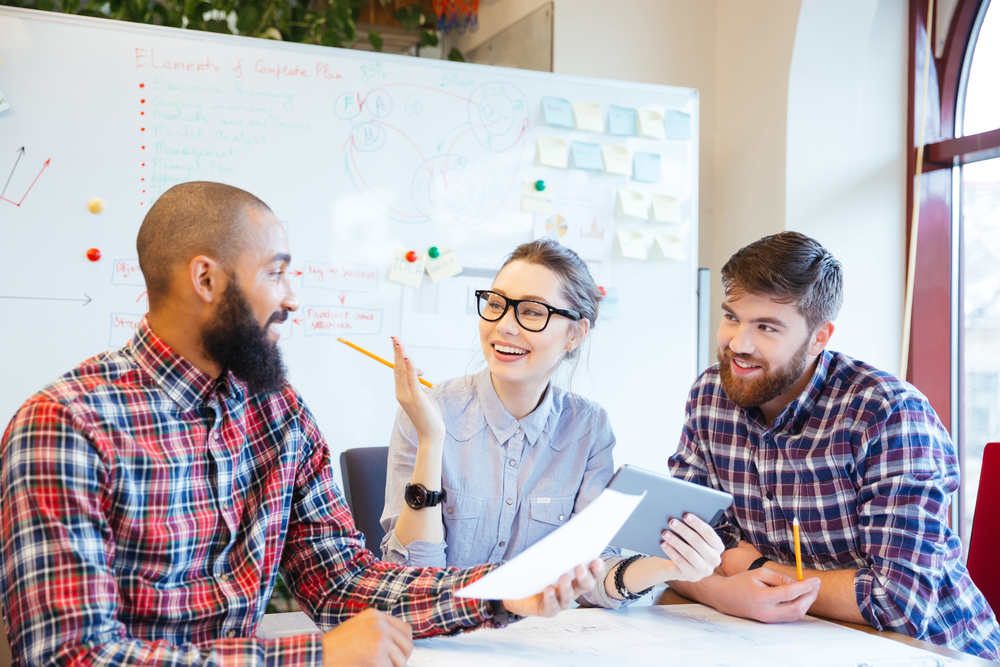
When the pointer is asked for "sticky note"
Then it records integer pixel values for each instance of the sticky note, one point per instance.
(647, 167)
(553, 152)
(610, 305)
(621, 121)
(651, 124)
(558, 111)
(633, 204)
(666, 209)
(670, 246)
(588, 116)
(678, 125)
(587, 156)
(445, 265)
(4, 104)
(632, 244)
(534, 201)
(616, 160)
(405, 272)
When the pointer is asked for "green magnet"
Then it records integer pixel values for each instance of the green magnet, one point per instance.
(539, 185)
(434, 252)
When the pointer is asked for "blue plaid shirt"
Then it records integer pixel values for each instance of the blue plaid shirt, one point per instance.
(867, 467)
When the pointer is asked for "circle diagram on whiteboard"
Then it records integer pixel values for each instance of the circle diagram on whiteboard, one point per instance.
(498, 115)
(449, 189)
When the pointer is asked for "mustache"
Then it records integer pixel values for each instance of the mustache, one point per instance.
(277, 318)
(729, 354)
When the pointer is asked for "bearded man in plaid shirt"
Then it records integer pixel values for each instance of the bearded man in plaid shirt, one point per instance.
(149, 497)
(793, 430)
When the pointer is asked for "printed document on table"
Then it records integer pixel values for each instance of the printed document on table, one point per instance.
(579, 541)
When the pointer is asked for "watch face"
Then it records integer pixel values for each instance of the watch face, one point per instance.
(416, 496)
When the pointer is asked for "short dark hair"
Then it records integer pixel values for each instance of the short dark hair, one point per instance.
(190, 219)
(790, 268)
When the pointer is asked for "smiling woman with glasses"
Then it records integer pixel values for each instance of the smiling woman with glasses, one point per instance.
(484, 466)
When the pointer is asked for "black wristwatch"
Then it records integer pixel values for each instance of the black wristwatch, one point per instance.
(418, 496)
(501, 617)
(758, 563)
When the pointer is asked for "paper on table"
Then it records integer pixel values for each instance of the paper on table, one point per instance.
(587, 156)
(632, 244)
(651, 124)
(647, 167)
(4, 104)
(666, 209)
(633, 203)
(553, 152)
(577, 542)
(535, 201)
(621, 121)
(558, 111)
(670, 246)
(445, 265)
(588, 116)
(616, 160)
(678, 125)
(407, 273)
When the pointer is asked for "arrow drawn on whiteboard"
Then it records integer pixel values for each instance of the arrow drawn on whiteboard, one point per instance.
(86, 299)
(20, 153)
(18, 203)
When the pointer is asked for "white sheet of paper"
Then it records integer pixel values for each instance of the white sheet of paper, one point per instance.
(670, 246)
(445, 265)
(616, 159)
(633, 204)
(577, 542)
(632, 244)
(4, 104)
(588, 116)
(651, 124)
(406, 273)
(535, 201)
(553, 152)
(666, 209)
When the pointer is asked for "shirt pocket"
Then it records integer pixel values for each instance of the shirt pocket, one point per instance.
(546, 514)
(461, 513)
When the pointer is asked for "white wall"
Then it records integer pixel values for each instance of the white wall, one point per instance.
(846, 161)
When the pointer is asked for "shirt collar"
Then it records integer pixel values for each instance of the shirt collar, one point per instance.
(501, 422)
(183, 382)
(801, 408)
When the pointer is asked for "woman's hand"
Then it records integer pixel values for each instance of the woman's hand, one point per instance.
(422, 410)
(693, 547)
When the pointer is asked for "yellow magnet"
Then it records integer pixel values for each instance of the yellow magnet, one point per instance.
(95, 205)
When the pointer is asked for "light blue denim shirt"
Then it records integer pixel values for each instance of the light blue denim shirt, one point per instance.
(509, 483)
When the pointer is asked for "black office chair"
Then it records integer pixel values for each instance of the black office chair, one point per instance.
(364, 471)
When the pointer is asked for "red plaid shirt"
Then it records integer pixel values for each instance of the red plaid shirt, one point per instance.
(146, 511)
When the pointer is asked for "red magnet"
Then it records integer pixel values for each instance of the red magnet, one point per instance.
(93, 254)
(411, 256)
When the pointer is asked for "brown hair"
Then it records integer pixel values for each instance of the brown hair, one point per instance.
(789, 268)
(578, 285)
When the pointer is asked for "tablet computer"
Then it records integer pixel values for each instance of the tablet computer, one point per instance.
(666, 498)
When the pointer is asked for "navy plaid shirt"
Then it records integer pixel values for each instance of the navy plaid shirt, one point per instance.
(147, 508)
(867, 467)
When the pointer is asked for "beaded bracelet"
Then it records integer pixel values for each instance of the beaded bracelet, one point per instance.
(620, 579)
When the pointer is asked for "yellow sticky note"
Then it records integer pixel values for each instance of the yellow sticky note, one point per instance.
(633, 203)
(553, 152)
(588, 116)
(405, 272)
(535, 201)
(445, 265)
(666, 209)
(651, 124)
(632, 244)
(616, 160)
(670, 246)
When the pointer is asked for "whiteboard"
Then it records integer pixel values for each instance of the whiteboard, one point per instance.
(361, 155)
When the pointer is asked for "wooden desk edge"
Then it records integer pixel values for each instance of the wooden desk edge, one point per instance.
(668, 597)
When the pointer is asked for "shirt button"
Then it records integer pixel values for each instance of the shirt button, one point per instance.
(215, 435)
(769, 495)
(513, 462)
(510, 501)
(503, 544)
(451, 510)
(561, 517)
(223, 577)
(231, 634)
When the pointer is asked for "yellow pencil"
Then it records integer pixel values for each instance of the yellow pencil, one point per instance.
(378, 358)
(798, 547)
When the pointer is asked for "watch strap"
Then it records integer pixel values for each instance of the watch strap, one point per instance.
(501, 617)
(759, 563)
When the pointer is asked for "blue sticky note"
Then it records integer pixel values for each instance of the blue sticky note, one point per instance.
(558, 111)
(621, 121)
(587, 156)
(678, 125)
(647, 168)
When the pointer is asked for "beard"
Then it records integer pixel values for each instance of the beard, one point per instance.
(238, 344)
(771, 384)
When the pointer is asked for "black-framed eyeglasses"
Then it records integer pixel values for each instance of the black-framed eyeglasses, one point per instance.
(531, 315)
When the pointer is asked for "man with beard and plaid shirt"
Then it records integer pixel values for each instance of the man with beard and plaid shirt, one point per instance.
(150, 496)
(793, 430)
